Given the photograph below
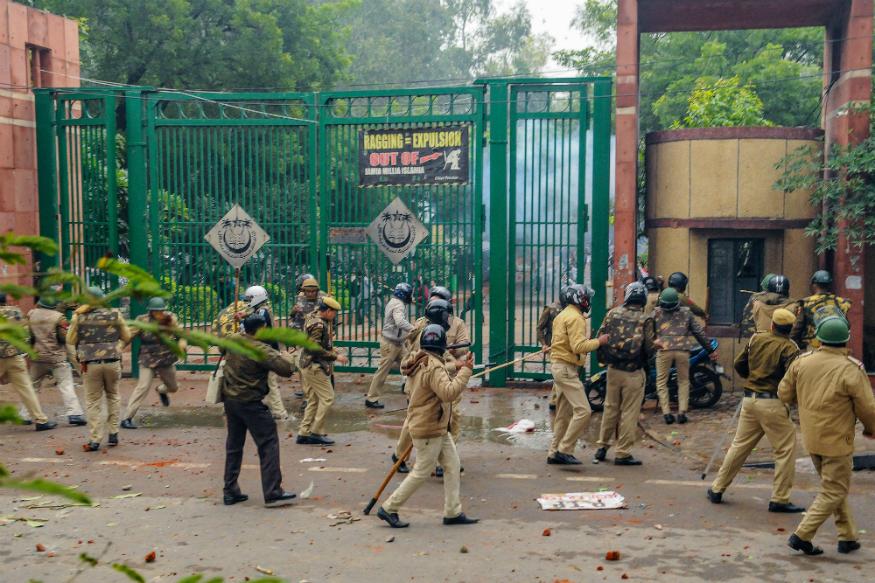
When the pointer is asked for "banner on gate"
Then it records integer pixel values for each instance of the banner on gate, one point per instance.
(414, 156)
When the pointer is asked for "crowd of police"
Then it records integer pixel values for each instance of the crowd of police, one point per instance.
(796, 354)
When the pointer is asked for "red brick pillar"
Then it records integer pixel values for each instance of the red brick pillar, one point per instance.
(626, 159)
(848, 67)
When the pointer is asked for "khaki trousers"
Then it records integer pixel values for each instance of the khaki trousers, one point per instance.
(14, 368)
(167, 374)
(404, 440)
(832, 499)
(390, 355)
(101, 379)
(429, 453)
(758, 417)
(681, 360)
(572, 409)
(274, 399)
(320, 398)
(62, 372)
(625, 393)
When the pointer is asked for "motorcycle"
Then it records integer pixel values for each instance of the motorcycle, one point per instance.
(705, 385)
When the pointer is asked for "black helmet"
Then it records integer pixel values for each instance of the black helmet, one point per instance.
(821, 277)
(636, 294)
(578, 295)
(253, 322)
(441, 292)
(779, 284)
(404, 292)
(650, 284)
(437, 311)
(299, 281)
(563, 296)
(433, 338)
(678, 281)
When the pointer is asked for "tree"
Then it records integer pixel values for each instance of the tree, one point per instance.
(722, 103)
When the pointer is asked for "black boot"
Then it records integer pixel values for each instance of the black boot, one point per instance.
(91, 446)
(165, 399)
(682, 418)
(626, 461)
(113, 440)
(460, 519)
(785, 507)
(392, 519)
(438, 472)
(600, 454)
(127, 424)
(715, 497)
(402, 467)
(231, 499)
(374, 405)
(563, 459)
(848, 546)
(76, 420)
(46, 426)
(284, 499)
(797, 544)
(669, 418)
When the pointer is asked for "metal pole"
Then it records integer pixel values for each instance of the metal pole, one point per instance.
(49, 224)
(601, 203)
(137, 193)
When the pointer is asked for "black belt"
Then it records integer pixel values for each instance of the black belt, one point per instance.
(103, 361)
(761, 394)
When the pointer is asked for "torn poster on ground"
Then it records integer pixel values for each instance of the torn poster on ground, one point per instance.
(582, 501)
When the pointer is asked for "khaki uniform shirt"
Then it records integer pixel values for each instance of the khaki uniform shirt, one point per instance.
(320, 332)
(652, 302)
(432, 393)
(766, 305)
(571, 342)
(49, 330)
(303, 308)
(13, 315)
(765, 360)
(833, 392)
(245, 378)
(747, 326)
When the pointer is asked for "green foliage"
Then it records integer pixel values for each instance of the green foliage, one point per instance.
(195, 303)
(276, 293)
(33, 242)
(723, 103)
(45, 487)
(8, 414)
(843, 189)
(130, 573)
(287, 336)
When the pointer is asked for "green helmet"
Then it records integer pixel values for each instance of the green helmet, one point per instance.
(96, 292)
(833, 330)
(49, 303)
(669, 299)
(821, 277)
(156, 305)
(764, 284)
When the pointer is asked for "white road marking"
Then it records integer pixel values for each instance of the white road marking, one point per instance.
(340, 470)
(132, 464)
(45, 460)
(517, 476)
(590, 479)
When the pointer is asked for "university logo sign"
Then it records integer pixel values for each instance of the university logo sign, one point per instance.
(237, 237)
(396, 231)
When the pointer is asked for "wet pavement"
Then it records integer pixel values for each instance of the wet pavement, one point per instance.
(160, 491)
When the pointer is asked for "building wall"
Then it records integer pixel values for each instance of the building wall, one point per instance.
(24, 30)
(718, 183)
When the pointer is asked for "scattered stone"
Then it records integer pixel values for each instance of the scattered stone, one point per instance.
(150, 558)
(612, 556)
(547, 532)
(126, 487)
(40, 548)
(59, 451)
(464, 550)
(657, 526)
(264, 570)
(391, 539)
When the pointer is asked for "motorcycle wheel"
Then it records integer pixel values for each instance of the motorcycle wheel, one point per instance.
(705, 387)
(596, 391)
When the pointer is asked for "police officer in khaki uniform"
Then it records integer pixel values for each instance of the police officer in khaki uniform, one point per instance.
(155, 359)
(14, 368)
(763, 363)
(821, 304)
(653, 289)
(98, 333)
(631, 334)
(432, 393)
(48, 328)
(777, 296)
(395, 330)
(317, 367)
(832, 391)
(244, 389)
(678, 281)
(747, 326)
(306, 302)
(568, 352)
(676, 326)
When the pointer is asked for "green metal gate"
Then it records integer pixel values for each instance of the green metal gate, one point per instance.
(149, 190)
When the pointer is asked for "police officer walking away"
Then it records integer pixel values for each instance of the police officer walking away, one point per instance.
(432, 393)
(48, 328)
(317, 366)
(14, 368)
(631, 335)
(155, 359)
(395, 330)
(570, 350)
(747, 327)
(821, 304)
(653, 289)
(763, 363)
(98, 333)
(832, 391)
(245, 386)
(777, 296)
(674, 326)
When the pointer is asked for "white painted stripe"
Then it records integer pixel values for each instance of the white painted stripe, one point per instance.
(45, 460)
(590, 479)
(23, 95)
(340, 470)
(8, 121)
(704, 483)
(517, 476)
(131, 464)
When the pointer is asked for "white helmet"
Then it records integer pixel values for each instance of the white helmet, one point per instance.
(255, 295)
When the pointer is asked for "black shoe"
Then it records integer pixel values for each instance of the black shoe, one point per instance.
(600, 454)
(563, 459)
(402, 468)
(284, 499)
(682, 418)
(127, 424)
(552, 406)
(91, 446)
(392, 519)
(231, 499)
(299, 394)
(165, 399)
(113, 440)
(715, 497)
(848, 546)
(797, 544)
(306, 440)
(785, 507)
(626, 461)
(323, 439)
(669, 418)
(374, 405)
(76, 420)
(461, 519)
(438, 472)
(46, 426)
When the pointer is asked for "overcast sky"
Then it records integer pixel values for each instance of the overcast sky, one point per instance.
(553, 17)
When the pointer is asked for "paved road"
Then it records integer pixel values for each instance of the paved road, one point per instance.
(668, 532)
